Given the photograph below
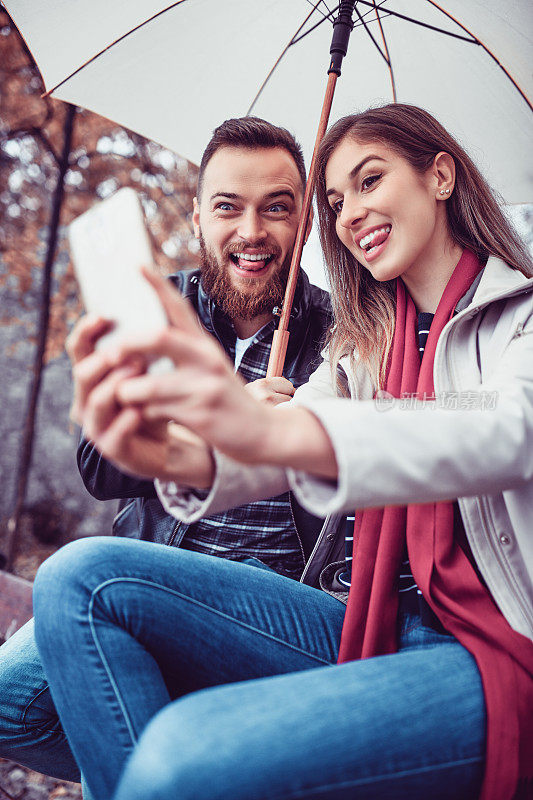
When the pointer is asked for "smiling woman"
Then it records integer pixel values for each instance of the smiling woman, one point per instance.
(399, 169)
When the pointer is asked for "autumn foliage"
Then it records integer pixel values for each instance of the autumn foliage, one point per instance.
(103, 158)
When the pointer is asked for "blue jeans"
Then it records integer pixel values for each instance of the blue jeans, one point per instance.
(125, 627)
(30, 731)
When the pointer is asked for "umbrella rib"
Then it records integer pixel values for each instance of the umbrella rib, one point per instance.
(372, 7)
(422, 24)
(316, 8)
(109, 46)
(365, 26)
(292, 41)
(485, 48)
(389, 60)
(310, 30)
(325, 17)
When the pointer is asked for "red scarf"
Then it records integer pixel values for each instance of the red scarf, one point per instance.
(443, 573)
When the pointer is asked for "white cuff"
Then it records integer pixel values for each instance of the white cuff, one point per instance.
(234, 485)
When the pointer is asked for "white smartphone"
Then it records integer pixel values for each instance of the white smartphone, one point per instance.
(109, 243)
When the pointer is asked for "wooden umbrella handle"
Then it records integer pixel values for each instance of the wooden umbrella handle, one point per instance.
(278, 351)
(281, 335)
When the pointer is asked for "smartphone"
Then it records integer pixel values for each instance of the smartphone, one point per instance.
(109, 243)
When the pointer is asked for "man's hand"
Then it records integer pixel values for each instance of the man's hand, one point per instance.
(272, 391)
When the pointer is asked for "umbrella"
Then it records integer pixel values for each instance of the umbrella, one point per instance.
(172, 72)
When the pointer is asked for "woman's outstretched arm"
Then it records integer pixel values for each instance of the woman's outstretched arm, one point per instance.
(203, 394)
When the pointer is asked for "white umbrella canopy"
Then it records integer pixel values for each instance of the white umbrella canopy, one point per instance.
(173, 72)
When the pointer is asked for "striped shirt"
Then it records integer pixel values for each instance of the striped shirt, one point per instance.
(407, 582)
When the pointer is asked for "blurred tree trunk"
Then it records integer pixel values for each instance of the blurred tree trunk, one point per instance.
(42, 333)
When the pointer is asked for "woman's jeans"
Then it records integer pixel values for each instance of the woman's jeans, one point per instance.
(124, 627)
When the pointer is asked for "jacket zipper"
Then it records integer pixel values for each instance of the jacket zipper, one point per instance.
(122, 512)
(174, 533)
(296, 531)
(319, 542)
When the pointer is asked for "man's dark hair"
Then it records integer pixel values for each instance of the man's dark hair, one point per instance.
(251, 133)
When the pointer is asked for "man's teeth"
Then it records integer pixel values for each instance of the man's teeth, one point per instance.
(252, 257)
(369, 238)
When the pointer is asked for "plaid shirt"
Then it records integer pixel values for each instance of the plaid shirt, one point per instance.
(265, 529)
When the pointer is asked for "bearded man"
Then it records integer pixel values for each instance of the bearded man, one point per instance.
(250, 192)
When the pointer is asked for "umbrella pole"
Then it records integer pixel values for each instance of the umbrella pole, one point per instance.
(280, 339)
(342, 27)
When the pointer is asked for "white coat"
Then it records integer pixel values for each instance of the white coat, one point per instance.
(474, 443)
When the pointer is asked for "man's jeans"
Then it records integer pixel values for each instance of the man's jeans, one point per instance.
(30, 732)
(123, 627)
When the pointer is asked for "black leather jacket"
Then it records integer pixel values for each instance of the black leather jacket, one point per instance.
(143, 517)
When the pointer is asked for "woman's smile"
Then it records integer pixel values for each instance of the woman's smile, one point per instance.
(372, 241)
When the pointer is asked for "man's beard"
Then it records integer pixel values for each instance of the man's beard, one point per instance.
(238, 304)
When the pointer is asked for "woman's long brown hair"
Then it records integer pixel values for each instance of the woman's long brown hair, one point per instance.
(364, 308)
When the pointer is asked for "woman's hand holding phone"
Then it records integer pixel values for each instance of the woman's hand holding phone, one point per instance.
(145, 448)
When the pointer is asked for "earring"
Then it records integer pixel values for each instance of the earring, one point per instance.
(444, 191)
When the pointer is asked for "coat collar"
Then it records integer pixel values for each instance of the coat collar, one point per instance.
(498, 281)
